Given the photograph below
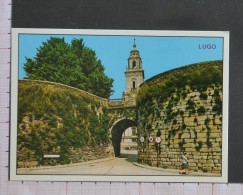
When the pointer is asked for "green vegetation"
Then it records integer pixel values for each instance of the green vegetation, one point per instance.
(181, 143)
(191, 106)
(197, 76)
(201, 110)
(218, 103)
(207, 120)
(179, 98)
(199, 146)
(53, 119)
(158, 134)
(203, 96)
(72, 64)
(183, 126)
(165, 167)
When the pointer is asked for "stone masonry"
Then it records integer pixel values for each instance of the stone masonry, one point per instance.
(188, 122)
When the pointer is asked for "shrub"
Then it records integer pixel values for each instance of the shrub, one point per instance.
(203, 96)
(205, 170)
(181, 143)
(201, 110)
(190, 102)
(183, 126)
(195, 138)
(202, 88)
(173, 132)
(157, 113)
(184, 94)
(158, 134)
(198, 148)
(216, 92)
(174, 122)
(190, 105)
(217, 108)
(209, 144)
(207, 120)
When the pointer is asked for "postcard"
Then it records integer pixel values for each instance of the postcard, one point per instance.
(119, 105)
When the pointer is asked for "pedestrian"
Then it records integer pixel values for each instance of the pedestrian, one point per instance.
(184, 164)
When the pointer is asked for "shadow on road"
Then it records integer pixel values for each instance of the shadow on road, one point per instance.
(129, 157)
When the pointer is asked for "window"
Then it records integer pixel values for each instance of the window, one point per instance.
(134, 64)
(134, 85)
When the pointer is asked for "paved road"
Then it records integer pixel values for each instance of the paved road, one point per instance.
(114, 166)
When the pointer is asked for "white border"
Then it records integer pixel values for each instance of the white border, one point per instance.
(14, 95)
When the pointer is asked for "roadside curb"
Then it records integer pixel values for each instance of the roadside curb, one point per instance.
(156, 168)
(175, 171)
(68, 165)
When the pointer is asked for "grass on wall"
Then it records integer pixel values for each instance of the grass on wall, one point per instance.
(53, 119)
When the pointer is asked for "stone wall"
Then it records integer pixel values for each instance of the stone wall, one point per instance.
(188, 121)
(116, 103)
(77, 155)
(102, 101)
(58, 119)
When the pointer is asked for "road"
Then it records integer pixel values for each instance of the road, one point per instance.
(113, 166)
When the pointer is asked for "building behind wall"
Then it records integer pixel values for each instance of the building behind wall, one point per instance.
(129, 138)
(134, 78)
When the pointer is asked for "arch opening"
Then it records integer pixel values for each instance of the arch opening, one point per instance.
(117, 131)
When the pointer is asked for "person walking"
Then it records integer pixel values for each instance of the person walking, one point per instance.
(184, 164)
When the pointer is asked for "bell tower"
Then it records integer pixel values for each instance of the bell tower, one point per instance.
(134, 76)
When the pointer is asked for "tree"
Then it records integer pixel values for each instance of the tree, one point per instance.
(71, 64)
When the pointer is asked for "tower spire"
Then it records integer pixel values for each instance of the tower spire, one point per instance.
(134, 45)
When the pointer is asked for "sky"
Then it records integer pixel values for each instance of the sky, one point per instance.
(159, 54)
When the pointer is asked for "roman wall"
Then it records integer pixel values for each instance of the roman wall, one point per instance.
(188, 120)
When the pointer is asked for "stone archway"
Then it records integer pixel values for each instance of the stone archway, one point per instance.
(117, 131)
